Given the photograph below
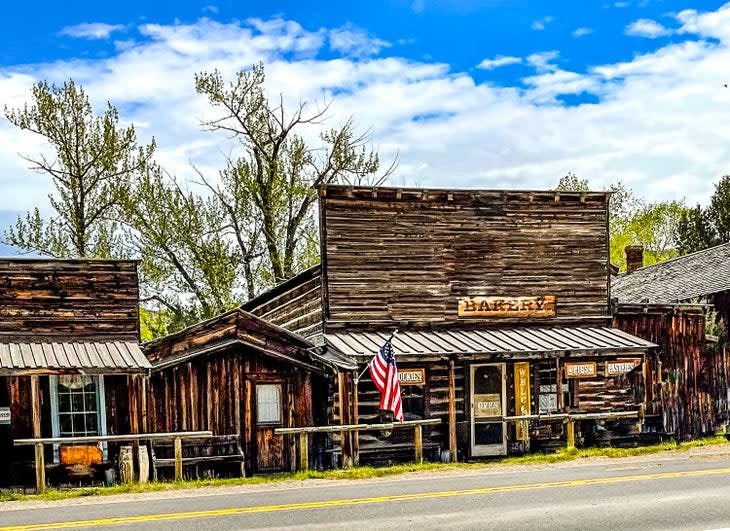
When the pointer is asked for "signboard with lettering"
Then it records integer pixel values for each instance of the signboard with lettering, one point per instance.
(411, 376)
(522, 398)
(621, 366)
(487, 405)
(4, 415)
(580, 369)
(538, 306)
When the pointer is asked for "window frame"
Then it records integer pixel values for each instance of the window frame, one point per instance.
(55, 414)
(280, 391)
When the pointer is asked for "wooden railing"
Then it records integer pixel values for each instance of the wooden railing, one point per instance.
(176, 437)
(416, 425)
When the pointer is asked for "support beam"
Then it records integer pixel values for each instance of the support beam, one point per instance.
(304, 451)
(418, 439)
(40, 469)
(452, 412)
(178, 459)
(40, 465)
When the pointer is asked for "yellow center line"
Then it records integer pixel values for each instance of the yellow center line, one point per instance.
(357, 501)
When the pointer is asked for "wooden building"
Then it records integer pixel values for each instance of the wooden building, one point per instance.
(69, 352)
(501, 300)
(673, 303)
(236, 374)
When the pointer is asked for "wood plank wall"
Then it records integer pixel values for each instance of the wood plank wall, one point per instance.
(74, 298)
(390, 255)
(295, 305)
(688, 389)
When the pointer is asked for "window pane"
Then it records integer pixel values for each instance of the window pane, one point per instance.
(77, 405)
(268, 403)
(91, 428)
(64, 402)
(77, 402)
(65, 425)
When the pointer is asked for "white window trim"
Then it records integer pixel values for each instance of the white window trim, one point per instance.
(100, 411)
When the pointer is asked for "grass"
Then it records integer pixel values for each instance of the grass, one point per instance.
(363, 472)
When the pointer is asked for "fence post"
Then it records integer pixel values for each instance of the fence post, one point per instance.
(40, 469)
(178, 459)
(570, 432)
(303, 451)
(418, 433)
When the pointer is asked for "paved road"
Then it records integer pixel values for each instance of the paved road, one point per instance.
(688, 491)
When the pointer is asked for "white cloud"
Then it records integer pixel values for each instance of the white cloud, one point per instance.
(621, 5)
(499, 60)
(581, 32)
(210, 9)
(662, 121)
(540, 24)
(350, 40)
(92, 30)
(644, 27)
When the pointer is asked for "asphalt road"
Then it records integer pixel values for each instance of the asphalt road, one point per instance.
(687, 491)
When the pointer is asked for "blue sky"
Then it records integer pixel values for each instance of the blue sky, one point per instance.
(469, 93)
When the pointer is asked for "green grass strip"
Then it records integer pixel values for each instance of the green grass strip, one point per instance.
(364, 472)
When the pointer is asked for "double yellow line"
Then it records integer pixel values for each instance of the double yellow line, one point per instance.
(357, 501)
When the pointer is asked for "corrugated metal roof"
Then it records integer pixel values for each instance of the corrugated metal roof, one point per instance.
(91, 356)
(489, 341)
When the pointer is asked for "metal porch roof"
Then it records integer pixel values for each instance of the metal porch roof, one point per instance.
(489, 341)
(88, 356)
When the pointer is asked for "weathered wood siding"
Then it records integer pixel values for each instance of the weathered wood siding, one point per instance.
(216, 392)
(295, 305)
(72, 298)
(407, 256)
(688, 388)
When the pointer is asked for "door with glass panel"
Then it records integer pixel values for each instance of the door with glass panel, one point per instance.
(488, 390)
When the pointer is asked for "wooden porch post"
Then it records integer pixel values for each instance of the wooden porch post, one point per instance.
(452, 412)
(345, 439)
(40, 466)
(355, 420)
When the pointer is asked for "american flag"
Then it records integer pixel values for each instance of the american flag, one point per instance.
(385, 375)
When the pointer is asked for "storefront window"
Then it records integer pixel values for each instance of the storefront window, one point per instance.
(77, 405)
(547, 388)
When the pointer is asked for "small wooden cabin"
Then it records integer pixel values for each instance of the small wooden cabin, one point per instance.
(236, 374)
(501, 299)
(70, 361)
(672, 303)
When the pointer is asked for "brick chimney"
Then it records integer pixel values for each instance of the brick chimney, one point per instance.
(634, 257)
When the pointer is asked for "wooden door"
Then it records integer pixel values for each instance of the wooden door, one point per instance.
(488, 407)
(269, 401)
(6, 442)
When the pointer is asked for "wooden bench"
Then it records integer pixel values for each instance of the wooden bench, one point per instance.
(204, 452)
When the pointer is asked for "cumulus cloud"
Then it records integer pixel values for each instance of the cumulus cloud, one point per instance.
(91, 30)
(350, 40)
(500, 60)
(660, 122)
(539, 25)
(580, 32)
(644, 27)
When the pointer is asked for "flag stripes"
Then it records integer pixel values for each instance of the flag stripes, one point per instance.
(384, 373)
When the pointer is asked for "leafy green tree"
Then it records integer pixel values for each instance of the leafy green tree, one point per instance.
(274, 179)
(700, 227)
(94, 158)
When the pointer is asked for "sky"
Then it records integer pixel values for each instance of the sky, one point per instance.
(508, 94)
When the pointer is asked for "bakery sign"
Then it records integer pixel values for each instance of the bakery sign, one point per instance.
(412, 376)
(4, 415)
(621, 366)
(580, 369)
(538, 306)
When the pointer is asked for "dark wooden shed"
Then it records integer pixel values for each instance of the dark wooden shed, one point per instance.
(70, 361)
(237, 374)
(501, 299)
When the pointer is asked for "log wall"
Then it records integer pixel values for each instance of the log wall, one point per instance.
(408, 256)
(73, 298)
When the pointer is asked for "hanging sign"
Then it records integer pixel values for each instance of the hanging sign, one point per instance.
(622, 366)
(488, 405)
(522, 398)
(539, 306)
(580, 369)
(4, 415)
(412, 376)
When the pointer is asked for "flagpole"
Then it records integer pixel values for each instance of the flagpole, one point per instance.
(395, 332)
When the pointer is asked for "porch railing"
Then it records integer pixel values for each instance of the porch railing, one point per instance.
(415, 425)
(176, 437)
